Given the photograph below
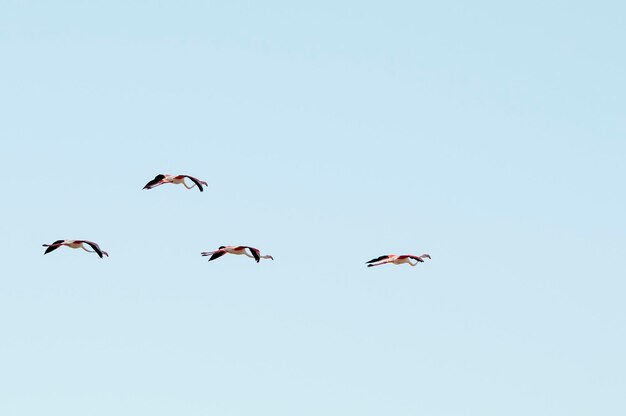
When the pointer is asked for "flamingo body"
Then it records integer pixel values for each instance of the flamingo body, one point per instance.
(397, 259)
(76, 244)
(161, 179)
(255, 253)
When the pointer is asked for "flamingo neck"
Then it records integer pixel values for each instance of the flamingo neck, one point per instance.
(88, 251)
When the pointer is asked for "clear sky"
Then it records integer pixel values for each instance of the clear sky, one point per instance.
(490, 135)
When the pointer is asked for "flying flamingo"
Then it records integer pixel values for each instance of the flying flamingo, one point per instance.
(75, 244)
(256, 253)
(395, 259)
(175, 179)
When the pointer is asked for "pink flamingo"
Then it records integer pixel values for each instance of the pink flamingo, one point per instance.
(256, 253)
(395, 259)
(175, 179)
(75, 244)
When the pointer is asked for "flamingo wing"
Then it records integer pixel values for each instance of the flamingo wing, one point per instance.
(196, 181)
(95, 247)
(256, 253)
(378, 259)
(154, 182)
(53, 246)
(410, 256)
(217, 255)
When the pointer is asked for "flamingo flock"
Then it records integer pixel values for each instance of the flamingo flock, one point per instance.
(251, 252)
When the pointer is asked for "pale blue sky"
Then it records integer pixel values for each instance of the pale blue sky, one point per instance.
(490, 135)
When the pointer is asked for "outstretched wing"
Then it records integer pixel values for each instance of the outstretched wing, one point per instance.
(378, 259)
(255, 253)
(196, 181)
(95, 247)
(154, 181)
(53, 246)
(217, 255)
